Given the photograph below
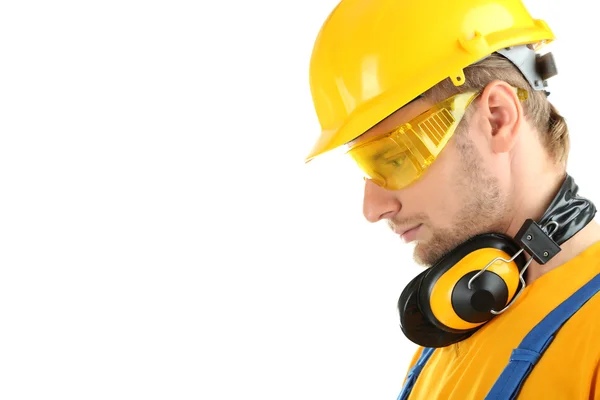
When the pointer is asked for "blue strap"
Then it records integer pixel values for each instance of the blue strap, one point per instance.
(526, 356)
(414, 372)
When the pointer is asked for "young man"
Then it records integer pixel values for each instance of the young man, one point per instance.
(444, 106)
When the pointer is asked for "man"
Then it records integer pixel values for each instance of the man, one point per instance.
(444, 106)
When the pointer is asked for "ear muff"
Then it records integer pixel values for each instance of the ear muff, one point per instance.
(414, 323)
(437, 308)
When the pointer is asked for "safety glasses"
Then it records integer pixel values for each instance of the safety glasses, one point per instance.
(398, 158)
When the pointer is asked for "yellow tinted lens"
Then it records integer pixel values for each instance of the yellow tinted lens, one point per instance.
(386, 162)
(397, 159)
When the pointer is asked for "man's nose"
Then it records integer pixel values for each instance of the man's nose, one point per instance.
(379, 203)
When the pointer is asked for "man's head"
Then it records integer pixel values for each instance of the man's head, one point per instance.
(372, 57)
(476, 182)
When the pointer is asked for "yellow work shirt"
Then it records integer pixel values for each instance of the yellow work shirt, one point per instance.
(568, 369)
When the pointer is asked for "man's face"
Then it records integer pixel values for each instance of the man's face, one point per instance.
(458, 197)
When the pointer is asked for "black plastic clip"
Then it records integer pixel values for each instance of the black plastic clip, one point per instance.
(537, 242)
(546, 66)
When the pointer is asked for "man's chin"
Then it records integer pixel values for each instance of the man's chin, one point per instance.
(426, 256)
(420, 255)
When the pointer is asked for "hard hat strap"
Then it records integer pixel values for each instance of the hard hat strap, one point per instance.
(536, 68)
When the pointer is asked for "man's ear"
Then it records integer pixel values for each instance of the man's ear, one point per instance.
(503, 112)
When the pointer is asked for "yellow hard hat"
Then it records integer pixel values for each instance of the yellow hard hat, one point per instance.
(371, 57)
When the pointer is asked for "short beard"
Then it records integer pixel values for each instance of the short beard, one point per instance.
(484, 206)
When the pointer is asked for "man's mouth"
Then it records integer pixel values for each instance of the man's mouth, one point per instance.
(408, 234)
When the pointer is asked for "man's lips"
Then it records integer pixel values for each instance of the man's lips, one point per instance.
(408, 234)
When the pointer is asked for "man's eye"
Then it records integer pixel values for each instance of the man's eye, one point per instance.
(396, 160)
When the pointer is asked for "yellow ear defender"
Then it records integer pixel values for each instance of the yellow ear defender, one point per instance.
(447, 303)
(483, 276)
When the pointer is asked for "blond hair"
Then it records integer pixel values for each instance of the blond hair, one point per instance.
(540, 113)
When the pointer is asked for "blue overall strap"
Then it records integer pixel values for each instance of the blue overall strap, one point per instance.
(524, 358)
(414, 373)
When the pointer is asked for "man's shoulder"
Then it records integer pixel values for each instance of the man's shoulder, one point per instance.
(584, 325)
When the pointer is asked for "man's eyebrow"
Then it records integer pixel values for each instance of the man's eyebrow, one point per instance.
(387, 154)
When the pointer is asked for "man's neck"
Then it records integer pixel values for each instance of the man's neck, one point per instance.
(569, 250)
(532, 206)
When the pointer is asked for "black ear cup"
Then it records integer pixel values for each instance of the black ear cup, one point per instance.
(488, 291)
(433, 274)
(414, 323)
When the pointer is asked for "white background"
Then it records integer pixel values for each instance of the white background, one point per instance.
(160, 234)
